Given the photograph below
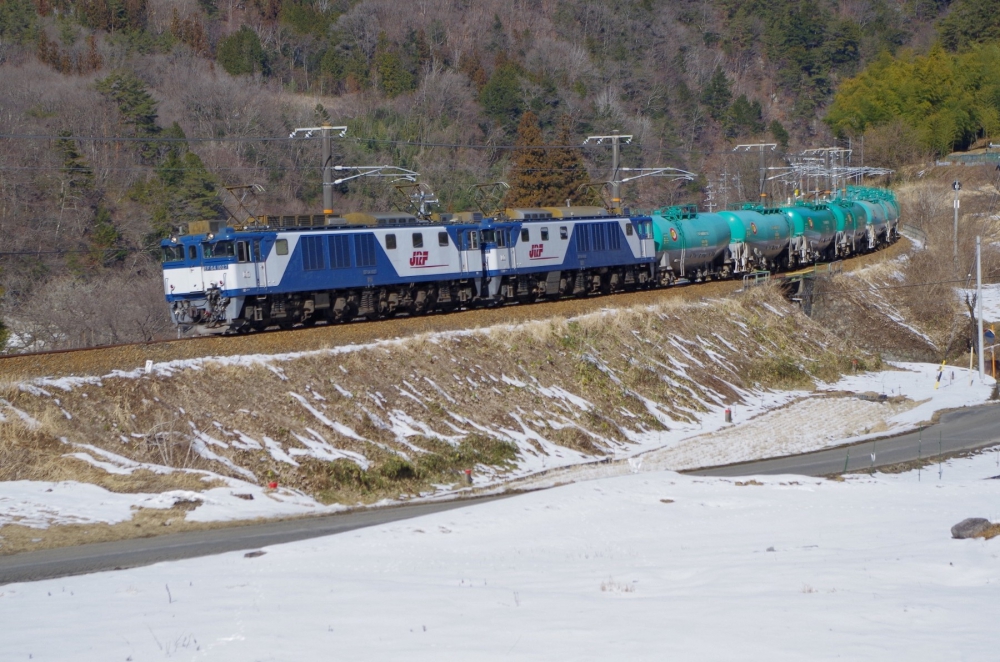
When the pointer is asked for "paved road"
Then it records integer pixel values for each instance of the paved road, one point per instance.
(960, 430)
(49, 563)
(957, 431)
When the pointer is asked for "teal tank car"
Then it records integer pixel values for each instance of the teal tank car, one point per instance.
(851, 227)
(690, 245)
(814, 229)
(882, 211)
(758, 238)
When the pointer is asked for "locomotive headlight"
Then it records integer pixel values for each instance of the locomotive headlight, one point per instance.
(210, 236)
(173, 240)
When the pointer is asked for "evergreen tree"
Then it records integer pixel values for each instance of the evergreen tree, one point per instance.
(744, 118)
(241, 53)
(528, 165)
(501, 96)
(189, 189)
(717, 95)
(970, 22)
(18, 23)
(136, 107)
(78, 174)
(541, 175)
(568, 170)
(105, 241)
(780, 134)
(392, 75)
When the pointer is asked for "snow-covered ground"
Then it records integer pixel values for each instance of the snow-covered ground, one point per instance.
(766, 426)
(990, 303)
(650, 566)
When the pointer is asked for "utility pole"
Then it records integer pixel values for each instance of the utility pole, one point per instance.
(956, 186)
(616, 186)
(979, 305)
(760, 147)
(326, 133)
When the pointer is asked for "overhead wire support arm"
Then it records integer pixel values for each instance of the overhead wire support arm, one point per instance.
(669, 173)
(382, 172)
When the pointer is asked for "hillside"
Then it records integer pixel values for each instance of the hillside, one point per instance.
(121, 119)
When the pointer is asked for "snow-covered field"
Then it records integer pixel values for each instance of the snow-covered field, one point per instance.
(654, 565)
(766, 426)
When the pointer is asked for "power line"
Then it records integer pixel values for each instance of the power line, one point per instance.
(283, 139)
(878, 288)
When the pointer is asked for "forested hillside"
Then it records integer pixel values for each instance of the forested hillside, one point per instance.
(122, 118)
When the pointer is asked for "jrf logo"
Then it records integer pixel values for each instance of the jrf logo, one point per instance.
(419, 259)
(536, 251)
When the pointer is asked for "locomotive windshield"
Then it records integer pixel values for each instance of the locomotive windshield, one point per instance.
(219, 249)
(173, 253)
(489, 236)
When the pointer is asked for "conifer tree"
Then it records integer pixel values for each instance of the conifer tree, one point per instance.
(392, 75)
(136, 107)
(529, 163)
(717, 95)
(105, 240)
(568, 171)
(78, 174)
(544, 176)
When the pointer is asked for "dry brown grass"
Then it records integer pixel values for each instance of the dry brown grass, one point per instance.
(684, 356)
(991, 532)
(145, 523)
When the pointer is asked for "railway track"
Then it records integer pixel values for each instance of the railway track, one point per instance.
(105, 359)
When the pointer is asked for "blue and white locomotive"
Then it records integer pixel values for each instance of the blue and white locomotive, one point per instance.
(282, 271)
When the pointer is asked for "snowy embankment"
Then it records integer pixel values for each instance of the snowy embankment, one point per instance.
(655, 565)
(766, 425)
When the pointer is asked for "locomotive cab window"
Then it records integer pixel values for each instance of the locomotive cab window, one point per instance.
(418, 240)
(173, 253)
(192, 252)
(502, 237)
(489, 236)
(242, 252)
(545, 234)
(563, 232)
(525, 234)
(281, 247)
(442, 238)
(473, 240)
(219, 249)
(390, 242)
(628, 230)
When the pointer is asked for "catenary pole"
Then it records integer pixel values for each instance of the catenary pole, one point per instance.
(979, 306)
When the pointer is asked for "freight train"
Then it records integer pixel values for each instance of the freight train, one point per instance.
(287, 270)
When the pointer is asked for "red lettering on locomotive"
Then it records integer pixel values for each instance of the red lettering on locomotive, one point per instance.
(419, 259)
(536, 251)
